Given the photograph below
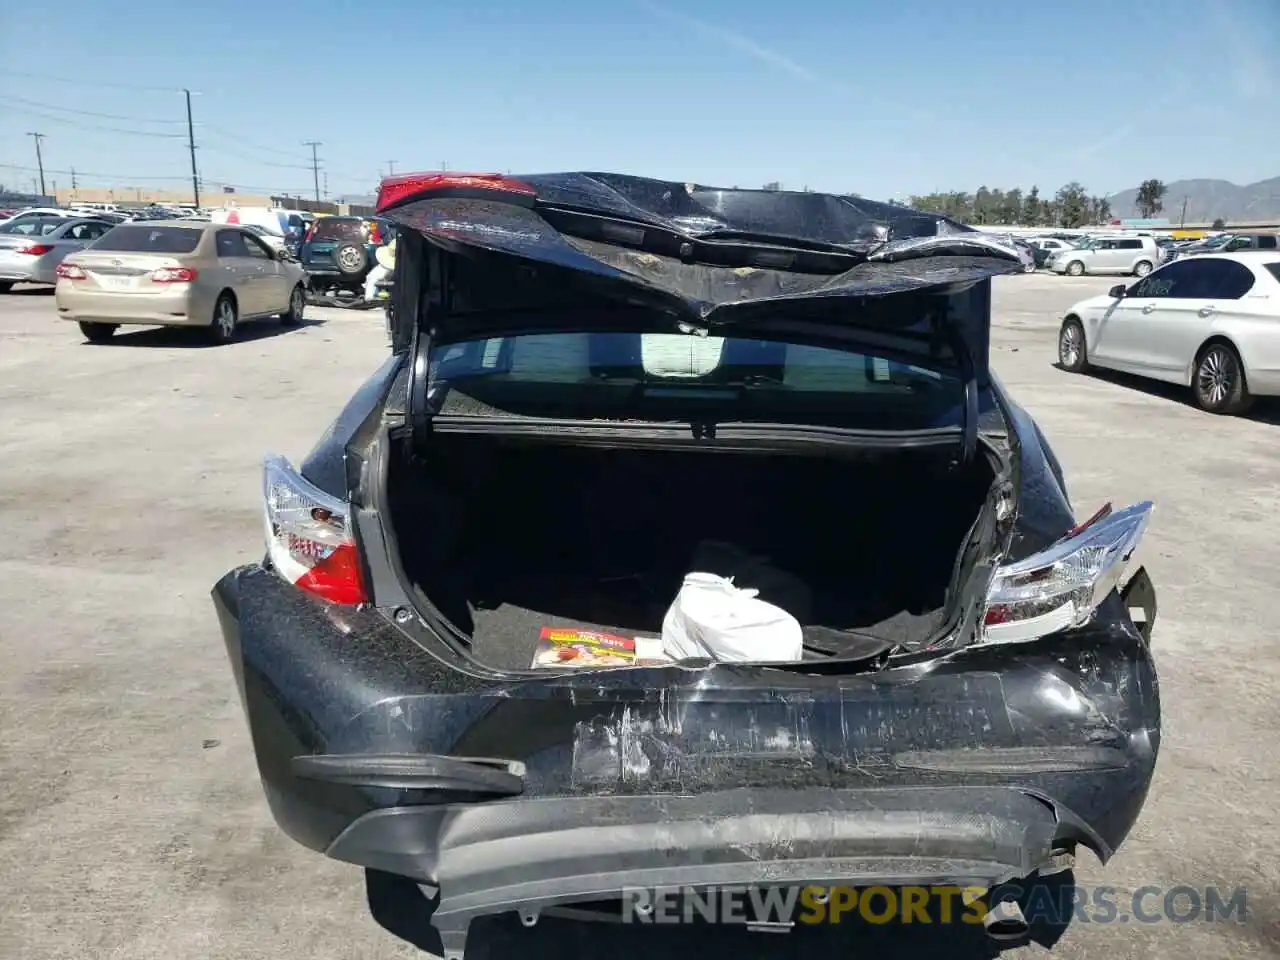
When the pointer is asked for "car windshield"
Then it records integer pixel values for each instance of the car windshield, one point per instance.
(660, 376)
(135, 238)
(337, 228)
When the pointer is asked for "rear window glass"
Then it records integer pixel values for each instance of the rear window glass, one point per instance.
(332, 228)
(661, 376)
(139, 239)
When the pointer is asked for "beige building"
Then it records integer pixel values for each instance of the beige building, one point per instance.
(131, 197)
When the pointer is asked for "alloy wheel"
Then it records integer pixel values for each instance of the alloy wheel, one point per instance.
(1216, 377)
(1069, 345)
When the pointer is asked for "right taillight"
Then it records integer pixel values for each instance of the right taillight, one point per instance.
(173, 275)
(309, 538)
(1061, 587)
(69, 271)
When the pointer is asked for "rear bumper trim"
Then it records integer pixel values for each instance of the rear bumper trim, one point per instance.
(530, 855)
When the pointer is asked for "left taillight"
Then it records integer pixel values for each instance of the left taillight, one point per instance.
(35, 249)
(69, 271)
(1060, 588)
(309, 538)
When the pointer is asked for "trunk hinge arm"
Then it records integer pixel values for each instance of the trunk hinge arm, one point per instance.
(419, 408)
(429, 305)
(969, 377)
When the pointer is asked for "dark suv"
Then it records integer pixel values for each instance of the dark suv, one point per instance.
(339, 252)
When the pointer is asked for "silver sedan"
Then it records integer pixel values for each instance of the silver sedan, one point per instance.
(30, 250)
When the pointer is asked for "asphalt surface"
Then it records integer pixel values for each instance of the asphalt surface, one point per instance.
(132, 824)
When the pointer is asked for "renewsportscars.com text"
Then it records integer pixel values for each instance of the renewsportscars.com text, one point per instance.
(930, 905)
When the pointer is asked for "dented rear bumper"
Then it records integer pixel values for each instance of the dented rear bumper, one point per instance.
(968, 769)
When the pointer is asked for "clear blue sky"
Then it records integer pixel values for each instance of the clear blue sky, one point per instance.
(883, 98)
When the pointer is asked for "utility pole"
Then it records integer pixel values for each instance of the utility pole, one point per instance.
(191, 144)
(74, 185)
(1183, 219)
(37, 137)
(315, 165)
(326, 184)
(391, 168)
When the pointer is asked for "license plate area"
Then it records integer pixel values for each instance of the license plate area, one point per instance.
(108, 282)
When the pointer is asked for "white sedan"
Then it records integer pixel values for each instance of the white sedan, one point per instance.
(1211, 323)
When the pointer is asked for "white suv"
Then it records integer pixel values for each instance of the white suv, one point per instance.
(1128, 255)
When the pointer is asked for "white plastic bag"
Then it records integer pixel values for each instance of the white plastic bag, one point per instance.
(713, 619)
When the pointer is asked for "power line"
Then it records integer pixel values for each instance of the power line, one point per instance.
(315, 165)
(84, 173)
(219, 131)
(81, 82)
(51, 118)
(83, 113)
(220, 148)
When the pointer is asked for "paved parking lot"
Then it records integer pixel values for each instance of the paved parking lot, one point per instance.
(131, 821)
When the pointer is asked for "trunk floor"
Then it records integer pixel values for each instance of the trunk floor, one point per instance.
(506, 636)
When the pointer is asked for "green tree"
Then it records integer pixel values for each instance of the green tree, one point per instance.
(1011, 207)
(1219, 224)
(1032, 208)
(1073, 205)
(1150, 198)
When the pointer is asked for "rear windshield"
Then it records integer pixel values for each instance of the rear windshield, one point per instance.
(333, 228)
(662, 376)
(139, 239)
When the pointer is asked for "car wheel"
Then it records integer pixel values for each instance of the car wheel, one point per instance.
(97, 332)
(297, 303)
(350, 258)
(1141, 268)
(1073, 351)
(1075, 269)
(6, 286)
(223, 327)
(1218, 384)
(1029, 267)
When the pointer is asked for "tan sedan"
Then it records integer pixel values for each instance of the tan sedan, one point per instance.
(178, 274)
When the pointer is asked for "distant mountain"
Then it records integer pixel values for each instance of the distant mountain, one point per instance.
(1207, 200)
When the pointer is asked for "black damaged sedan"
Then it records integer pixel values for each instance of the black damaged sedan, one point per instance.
(598, 384)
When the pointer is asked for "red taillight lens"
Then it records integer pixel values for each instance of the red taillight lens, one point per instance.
(395, 190)
(309, 538)
(374, 235)
(35, 249)
(69, 271)
(173, 275)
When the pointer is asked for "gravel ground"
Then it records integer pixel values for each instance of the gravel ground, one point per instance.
(131, 821)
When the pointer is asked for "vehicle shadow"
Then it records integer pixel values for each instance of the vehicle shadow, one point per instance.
(400, 908)
(1264, 410)
(32, 290)
(196, 337)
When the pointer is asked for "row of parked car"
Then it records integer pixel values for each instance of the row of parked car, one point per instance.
(337, 253)
(1133, 254)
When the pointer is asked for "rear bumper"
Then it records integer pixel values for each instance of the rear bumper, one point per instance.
(970, 770)
(180, 307)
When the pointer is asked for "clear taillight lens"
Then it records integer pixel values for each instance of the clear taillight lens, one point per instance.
(1061, 587)
(173, 275)
(69, 271)
(309, 539)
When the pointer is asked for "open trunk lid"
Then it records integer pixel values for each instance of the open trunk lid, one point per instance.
(699, 255)
(490, 256)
